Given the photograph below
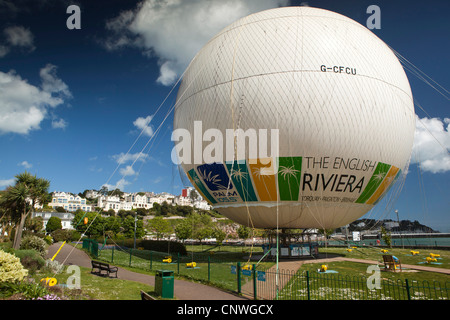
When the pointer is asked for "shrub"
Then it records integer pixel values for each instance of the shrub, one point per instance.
(11, 270)
(30, 259)
(61, 235)
(54, 223)
(22, 290)
(32, 265)
(48, 239)
(164, 246)
(75, 235)
(54, 266)
(35, 243)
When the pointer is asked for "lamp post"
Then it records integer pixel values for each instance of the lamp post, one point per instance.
(398, 221)
(135, 219)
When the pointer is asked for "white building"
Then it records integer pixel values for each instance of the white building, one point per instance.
(140, 200)
(92, 194)
(182, 201)
(110, 202)
(69, 202)
(391, 224)
(146, 200)
(66, 218)
(202, 204)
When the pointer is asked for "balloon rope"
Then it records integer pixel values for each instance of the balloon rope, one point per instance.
(240, 178)
(421, 75)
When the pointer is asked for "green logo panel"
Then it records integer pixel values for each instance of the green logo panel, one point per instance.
(289, 176)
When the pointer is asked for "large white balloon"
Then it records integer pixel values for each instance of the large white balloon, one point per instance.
(337, 95)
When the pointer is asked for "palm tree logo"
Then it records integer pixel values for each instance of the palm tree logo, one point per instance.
(380, 176)
(197, 180)
(288, 172)
(239, 174)
(214, 178)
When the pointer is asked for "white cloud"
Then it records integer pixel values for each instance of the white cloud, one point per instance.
(121, 184)
(127, 171)
(7, 182)
(51, 83)
(432, 144)
(157, 180)
(3, 51)
(143, 124)
(173, 31)
(18, 36)
(24, 106)
(109, 186)
(25, 164)
(59, 124)
(122, 158)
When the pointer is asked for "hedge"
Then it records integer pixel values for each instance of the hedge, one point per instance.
(152, 245)
(164, 246)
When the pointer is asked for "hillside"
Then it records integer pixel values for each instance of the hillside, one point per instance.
(405, 226)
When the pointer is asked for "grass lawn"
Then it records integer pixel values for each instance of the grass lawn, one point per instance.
(213, 266)
(350, 280)
(404, 255)
(96, 287)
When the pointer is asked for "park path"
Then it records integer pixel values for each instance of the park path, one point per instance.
(289, 267)
(183, 290)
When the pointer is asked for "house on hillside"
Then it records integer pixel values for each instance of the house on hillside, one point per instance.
(69, 202)
(66, 218)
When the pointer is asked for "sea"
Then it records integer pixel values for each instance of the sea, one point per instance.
(409, 240)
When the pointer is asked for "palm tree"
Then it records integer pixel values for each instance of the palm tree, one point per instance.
(5, 220)
(16, 198)
(28, 191)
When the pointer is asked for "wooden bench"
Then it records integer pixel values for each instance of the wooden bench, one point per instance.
(146, 296)
(101, 266)
(390, 264)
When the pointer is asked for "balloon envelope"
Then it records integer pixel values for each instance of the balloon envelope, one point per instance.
(296, 117)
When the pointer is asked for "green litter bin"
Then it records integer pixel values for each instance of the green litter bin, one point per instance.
(164, 282)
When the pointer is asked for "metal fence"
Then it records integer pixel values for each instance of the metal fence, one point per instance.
(208, 267)
(288, 285)
(260, 284)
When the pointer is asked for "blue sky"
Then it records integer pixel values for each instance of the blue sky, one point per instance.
(74, 102)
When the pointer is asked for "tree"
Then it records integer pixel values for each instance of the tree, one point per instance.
(35, 224)
(160, 226)
(194, 195)
(183, 230)
(94, 226)
(166, 209)
(244, 232)
(326, 233)
(386, 236)
(156, 208)
(5, 220)
(60, 209)
(219, 234)
(112, 225)
(54, 223)
(21, 198)
(183, 211)
(128, 227)
(203, 226)
(16, 199)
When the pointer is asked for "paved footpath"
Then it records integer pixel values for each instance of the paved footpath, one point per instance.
(183, 290)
